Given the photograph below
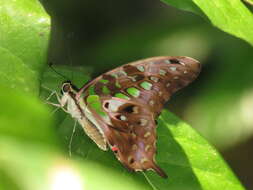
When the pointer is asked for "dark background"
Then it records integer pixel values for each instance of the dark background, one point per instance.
(219, 104)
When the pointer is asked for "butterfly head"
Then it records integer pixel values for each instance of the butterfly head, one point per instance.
(67, 87)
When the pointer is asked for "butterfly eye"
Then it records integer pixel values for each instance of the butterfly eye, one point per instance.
(66, 87)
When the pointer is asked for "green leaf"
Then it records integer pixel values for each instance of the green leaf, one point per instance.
(189, 160)
(24, 38)
(231, 16)
(24, 117)
(186, 5)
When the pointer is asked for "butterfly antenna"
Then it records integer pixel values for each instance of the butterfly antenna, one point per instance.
(71, 139)
(51, 66)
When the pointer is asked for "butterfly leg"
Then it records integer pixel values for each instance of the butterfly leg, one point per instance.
(60, 104)
(53, 92)
(71, 139)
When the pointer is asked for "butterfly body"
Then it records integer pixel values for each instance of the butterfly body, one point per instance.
(119, 108)
(79, 111)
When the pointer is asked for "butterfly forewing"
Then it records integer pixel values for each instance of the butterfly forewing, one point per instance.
(126, 101)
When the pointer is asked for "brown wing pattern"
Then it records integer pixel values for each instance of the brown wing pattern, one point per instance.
(132, 96)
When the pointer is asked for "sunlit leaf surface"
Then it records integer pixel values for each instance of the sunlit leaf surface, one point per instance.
(24, 34)
(231, 16)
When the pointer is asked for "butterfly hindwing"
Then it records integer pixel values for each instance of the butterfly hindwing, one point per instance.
(126, 101)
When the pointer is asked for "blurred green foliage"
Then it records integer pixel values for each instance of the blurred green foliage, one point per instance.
(34, 143)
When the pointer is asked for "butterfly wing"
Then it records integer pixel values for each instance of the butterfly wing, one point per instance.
(125, 102)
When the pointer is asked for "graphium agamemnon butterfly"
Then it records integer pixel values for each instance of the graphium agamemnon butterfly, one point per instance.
(119, 108)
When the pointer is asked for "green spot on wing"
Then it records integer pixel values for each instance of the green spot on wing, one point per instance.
(103, 81)
(105, 90)
(123, 96)
(94, 102)
(91, 90)
(133, 91)
(146, 85)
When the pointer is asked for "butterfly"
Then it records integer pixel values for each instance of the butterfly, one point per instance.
(118, 110)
